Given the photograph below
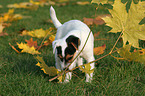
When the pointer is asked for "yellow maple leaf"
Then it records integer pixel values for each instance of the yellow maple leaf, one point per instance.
(27, 49)
(39, 33)
(128, 23)
(137, 56)
(86, 68)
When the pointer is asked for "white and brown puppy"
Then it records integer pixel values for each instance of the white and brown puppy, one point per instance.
(70, 39)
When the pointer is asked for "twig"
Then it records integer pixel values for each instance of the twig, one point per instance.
(14, 48)
(43, 41)
(116, 42)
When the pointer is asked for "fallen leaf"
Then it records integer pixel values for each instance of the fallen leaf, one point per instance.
(88, 21)
(39, 33)
(23, 32)
(31, 43)
(49, 41)
(97, 21)
(51, 71)
(137, 55)
(27, 49)
(127, 22)
(6, 24)
(3, 34)
(86, 68)
(99, 50)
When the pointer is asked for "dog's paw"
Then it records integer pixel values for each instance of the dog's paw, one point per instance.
(66, 81)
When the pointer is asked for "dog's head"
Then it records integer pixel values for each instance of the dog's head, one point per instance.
(66, 49)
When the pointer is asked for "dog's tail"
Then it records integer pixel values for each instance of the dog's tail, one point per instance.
(54, 18)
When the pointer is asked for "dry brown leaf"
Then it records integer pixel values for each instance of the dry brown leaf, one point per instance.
(88, 21)
(99, 50)
(3, 34)
(97, 21)
(31, 43)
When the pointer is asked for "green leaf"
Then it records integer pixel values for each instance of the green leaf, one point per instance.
(137, 55)
(51, 71)
(86, 68)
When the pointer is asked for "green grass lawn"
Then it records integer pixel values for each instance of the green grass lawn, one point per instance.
(19, 76)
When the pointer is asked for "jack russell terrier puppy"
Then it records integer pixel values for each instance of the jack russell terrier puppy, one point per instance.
(69, 40)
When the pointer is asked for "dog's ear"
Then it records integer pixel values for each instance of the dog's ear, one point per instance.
(74, 41)
(54, 45)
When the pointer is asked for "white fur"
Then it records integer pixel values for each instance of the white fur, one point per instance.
(80, 30)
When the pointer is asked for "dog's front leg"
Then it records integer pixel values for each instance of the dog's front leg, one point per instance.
(89, 77)
(69, 74)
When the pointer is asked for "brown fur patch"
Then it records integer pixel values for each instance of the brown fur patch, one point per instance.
(69, 58)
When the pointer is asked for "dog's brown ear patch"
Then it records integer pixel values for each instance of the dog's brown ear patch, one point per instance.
(73, 41)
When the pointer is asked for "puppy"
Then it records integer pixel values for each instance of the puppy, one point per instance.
(70, 39)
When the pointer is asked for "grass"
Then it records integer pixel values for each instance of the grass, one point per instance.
(20, 77)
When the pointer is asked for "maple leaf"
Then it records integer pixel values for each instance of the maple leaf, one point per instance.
(128, 23)
(86, 68)
(51, 71)
(27, 49)
(137, 56)
(31, 43)
(99, 50)
(39, 33)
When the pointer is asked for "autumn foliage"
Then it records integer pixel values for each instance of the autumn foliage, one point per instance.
(126, 22)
